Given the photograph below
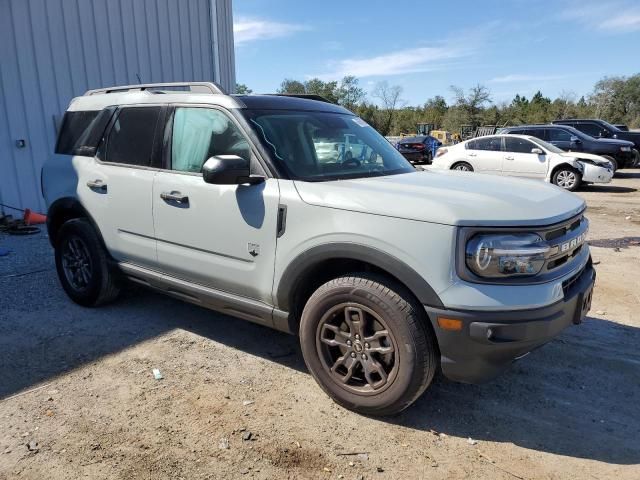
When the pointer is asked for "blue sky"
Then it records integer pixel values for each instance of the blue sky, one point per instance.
(510, 46)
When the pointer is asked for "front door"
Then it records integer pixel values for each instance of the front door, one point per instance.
(520, 161)
(115, 187)
(221, 236)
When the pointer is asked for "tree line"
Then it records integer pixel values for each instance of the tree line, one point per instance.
(615, 99)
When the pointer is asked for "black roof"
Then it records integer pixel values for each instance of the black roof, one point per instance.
(538, 126)
(280, 102)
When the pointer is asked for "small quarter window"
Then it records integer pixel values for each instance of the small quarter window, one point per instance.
(74, 125)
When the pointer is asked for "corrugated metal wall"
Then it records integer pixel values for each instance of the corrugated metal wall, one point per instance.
(54, 50)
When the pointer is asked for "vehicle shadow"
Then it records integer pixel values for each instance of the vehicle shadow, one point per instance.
(628, 173)
(576, 396)
(607, 189)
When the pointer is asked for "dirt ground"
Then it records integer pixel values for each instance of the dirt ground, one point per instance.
(78, 398)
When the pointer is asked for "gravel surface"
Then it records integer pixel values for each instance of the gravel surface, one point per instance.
(78, 397)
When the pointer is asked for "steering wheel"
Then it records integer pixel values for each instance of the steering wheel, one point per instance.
(354, 161)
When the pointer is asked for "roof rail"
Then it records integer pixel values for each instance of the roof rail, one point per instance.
(195, 87)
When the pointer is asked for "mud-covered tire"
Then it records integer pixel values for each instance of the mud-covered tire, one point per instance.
(568, 178)
(409, 368)
(96, 283)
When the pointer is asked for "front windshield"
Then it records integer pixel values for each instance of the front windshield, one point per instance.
(547, 146)
(321, 146)
(611, 127)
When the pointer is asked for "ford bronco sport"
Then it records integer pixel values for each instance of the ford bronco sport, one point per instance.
(386, 273)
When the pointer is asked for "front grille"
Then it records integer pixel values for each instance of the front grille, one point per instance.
(567, 241)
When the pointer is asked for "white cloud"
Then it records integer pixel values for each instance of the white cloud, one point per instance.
(609, 17)
(412, 60)
(247, 30)
(524, 78)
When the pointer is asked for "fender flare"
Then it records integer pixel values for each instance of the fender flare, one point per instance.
(310, 258)
(61, 209)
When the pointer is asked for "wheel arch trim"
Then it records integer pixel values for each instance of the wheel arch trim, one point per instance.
(307, 260)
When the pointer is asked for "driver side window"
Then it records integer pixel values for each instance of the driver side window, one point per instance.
(518, 145)
(201, 133)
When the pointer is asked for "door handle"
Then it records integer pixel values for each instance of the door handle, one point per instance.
(97, 184)
(508, 157)
(473, 154)
(174, 197)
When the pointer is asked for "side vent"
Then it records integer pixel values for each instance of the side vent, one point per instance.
(282, 220)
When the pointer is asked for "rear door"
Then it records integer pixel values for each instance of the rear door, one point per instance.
(485, 154)
(519, 161)
(116, 186)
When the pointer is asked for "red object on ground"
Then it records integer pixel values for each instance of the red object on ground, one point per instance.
(33, 218)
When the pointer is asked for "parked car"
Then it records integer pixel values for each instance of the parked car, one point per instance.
(525, 156)
(618, 152)
(601, 129)
(344, 148)
(387, 274)
(419, 149)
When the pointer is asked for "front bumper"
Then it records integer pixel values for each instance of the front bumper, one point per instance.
(490, 341)
(596, 174)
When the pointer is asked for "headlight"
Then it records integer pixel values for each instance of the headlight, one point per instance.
(625, 149)
(506, 255)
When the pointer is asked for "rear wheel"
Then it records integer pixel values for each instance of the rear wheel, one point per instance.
(567, 178)
(367, 343)
(636, 159)
(82, 265)
(462, 166)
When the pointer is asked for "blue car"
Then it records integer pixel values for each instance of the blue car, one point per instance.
(419, 149)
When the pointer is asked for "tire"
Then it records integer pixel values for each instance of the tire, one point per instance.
(462, 166)
(82, 265)
(613, 161)
(568, 178)
(636, 159)
(400, 364)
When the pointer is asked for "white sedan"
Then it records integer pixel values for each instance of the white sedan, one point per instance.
(524, 156)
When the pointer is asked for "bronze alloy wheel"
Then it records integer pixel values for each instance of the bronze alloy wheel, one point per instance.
(357, 348)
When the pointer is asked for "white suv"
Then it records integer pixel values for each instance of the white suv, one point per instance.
(525, 156)
(387, 274)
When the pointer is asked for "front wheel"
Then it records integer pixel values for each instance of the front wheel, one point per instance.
(614, 162)
(367, 343)
(567, 178)
(462, 167)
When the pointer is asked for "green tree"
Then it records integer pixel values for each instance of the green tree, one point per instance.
(389, 97)
(350, 95)
(472, 103)
(242, 89)
(292, 86)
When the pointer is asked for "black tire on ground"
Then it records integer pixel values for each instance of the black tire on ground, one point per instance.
(568, 178)
(82, 265)
(613, 161)
(636, 158)
(462, 166)
(368, 344)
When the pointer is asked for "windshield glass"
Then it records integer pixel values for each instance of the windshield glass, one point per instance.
(546, 145)
(611, 127)
(321, 146)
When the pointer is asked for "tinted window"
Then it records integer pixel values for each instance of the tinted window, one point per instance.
(493, 144)
(518, 145)
(131, 137)
(202, 133)
(74, 125)
(590, 129)
(535, 132)
(558, 135)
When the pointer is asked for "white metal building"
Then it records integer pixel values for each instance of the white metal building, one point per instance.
(54, 50)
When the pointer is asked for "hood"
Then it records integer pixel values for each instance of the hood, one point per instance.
(615, 141)
(633, 137)
(597, 159)
(448, 197)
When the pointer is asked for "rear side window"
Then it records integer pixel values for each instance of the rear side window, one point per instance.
(131, 137)
(493, 144)
(591, 129)
(74, 126)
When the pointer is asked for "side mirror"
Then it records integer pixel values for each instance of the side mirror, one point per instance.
(575, 139)
(229, 170)
(537, 151)
(615, 135)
